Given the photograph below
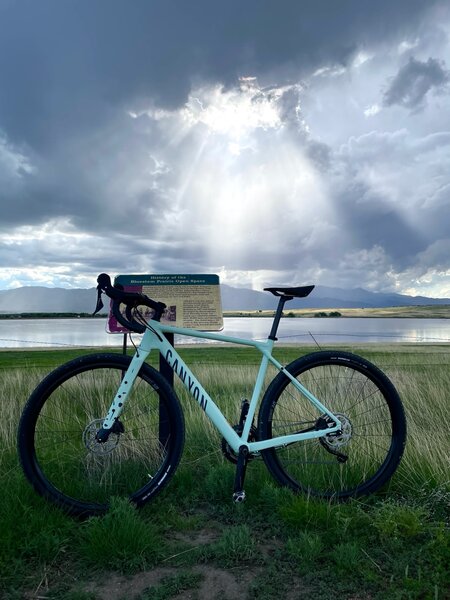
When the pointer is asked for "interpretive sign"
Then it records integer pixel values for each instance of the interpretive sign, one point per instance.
(192, 301)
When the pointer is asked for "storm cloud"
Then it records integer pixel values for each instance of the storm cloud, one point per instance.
(267, 141)
(70, 66)
(414, 81)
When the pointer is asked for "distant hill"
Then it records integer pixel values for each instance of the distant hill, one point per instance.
(322, 297)
(43, 299)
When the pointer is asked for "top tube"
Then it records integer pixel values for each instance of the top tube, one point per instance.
(265, 345)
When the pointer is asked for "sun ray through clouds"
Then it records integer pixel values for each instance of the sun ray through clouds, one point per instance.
(245, 170)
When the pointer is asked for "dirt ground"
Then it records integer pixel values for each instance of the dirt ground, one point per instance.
(215, 583)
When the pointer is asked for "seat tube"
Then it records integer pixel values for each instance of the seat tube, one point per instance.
(277, 317)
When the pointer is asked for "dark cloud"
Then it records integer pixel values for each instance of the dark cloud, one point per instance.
(69, 65)
(370, 220)
(414, 81)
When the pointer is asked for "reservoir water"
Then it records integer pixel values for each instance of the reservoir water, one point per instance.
(47, 333)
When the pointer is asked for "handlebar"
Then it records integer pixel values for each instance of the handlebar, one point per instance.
(131, 301)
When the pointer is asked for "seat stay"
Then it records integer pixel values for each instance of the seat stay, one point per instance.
(306, 393)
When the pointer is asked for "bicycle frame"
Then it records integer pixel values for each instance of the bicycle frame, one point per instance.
(153, 339)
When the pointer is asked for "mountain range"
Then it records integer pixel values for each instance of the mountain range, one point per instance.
(44, 299)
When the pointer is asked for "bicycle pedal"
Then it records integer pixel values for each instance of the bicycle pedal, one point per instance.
(239, 497)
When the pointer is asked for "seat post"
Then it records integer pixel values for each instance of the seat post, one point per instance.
(277, 317)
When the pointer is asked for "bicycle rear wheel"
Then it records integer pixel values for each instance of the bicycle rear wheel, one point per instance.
(354, 462)
(58, 450)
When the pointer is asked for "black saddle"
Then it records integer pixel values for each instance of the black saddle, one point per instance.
(291, 292)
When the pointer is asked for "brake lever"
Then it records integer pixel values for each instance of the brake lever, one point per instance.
(99, 304)
(130, 299)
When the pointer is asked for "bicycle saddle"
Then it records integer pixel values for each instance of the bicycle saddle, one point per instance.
(291, 292)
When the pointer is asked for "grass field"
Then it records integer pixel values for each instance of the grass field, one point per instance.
(193, 542)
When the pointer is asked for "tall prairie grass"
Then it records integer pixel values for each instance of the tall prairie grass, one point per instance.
(396, 543)
(422, 379)
(423, 382)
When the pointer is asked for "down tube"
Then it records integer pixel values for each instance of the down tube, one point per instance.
(196, 390)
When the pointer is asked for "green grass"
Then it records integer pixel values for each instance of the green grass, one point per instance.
(393, 545)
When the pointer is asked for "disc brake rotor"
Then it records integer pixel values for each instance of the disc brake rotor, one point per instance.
(341, 438)
(93, 445)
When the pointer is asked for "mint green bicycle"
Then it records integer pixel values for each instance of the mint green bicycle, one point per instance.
(330, 424)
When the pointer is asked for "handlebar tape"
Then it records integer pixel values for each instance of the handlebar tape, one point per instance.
(130, 300)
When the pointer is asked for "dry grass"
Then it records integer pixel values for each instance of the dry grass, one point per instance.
(422, 379)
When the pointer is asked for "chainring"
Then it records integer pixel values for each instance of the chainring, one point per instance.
(229, 453)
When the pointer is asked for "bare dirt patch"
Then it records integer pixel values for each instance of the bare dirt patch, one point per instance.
(215, 583)
(119, 587)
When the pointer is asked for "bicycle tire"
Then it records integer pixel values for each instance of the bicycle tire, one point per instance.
(56, 439)
(356, 462)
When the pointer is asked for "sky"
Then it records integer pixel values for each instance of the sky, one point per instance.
(273, 142)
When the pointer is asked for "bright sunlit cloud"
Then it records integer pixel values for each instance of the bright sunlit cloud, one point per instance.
(233, 113)
(246, 189)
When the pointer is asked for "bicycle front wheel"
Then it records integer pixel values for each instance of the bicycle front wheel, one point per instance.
(57, 442)
(360, 458)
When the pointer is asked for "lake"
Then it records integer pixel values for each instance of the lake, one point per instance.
(47, 333)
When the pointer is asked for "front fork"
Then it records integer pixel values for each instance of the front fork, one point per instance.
(121, 396)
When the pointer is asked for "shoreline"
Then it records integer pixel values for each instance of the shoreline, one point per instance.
(440, 311)
(205, 346)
